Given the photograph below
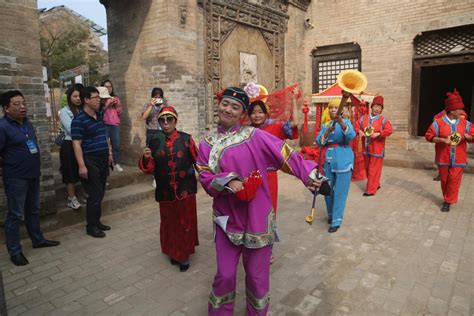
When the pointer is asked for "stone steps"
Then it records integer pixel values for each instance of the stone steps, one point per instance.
(130, 176)
(124, 189)
(116, 200)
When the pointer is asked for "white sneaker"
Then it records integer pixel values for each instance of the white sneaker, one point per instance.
(73, 203)
(118, 168)
(153, 184)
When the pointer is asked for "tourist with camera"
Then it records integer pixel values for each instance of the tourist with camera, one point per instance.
(150, 114)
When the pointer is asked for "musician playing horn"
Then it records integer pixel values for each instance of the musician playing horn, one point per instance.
(373, 129)
(338, 162)
(450, 134)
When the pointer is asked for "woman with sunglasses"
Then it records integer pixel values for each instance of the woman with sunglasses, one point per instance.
(172, 162)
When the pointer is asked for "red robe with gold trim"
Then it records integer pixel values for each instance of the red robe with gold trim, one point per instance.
(451, 160)
(282, 131)
(373, 149)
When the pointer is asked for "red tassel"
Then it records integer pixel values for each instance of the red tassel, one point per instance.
(149, 167)
(305, 110)
(251, 185)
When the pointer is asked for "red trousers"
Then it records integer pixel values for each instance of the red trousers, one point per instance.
(450, 182)
(373, 167)
(273, 185)
(359, 172)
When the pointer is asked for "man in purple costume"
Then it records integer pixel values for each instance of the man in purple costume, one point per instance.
(246, 228)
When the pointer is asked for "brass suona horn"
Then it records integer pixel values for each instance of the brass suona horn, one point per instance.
(352, 81)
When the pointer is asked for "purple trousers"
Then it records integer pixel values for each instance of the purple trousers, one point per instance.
(257, 274)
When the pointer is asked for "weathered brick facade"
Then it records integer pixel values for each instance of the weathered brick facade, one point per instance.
(157, 44)
(385, 31)
(160, 43)
(177, 45)
(163, 43)
(20, 68)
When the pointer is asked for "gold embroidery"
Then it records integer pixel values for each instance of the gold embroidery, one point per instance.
(286, 151)
(202, 168)
(253, 240)
(218, 301)
(220, 142)
(258, 303)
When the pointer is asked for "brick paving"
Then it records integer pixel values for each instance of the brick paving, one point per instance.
(396, 254)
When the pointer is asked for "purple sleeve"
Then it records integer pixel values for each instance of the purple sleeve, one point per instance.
(280, 154)
(214, 184)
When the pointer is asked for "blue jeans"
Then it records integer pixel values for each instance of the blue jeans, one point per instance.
(23, 198)
(336, 202)
(113, 132)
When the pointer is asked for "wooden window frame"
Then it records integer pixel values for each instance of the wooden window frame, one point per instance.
(333, 53)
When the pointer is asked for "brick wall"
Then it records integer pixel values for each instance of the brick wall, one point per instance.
(157, 43)
(20, 68)
(385, 31)
(295, 57)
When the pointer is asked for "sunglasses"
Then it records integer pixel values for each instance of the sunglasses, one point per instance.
(168, 119)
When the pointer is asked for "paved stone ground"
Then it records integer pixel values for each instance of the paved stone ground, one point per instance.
(396, 254)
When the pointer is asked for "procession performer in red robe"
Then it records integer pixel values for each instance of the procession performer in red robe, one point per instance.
(440, 115)
(373, 129)
(360, 108)
(284, 127)
(450, 134)
(172, 162)
(258, 113)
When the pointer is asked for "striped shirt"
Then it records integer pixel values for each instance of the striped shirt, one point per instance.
(92, 133)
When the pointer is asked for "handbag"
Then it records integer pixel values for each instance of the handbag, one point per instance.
(59, 140)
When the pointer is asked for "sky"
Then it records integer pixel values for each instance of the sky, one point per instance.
(91, 9)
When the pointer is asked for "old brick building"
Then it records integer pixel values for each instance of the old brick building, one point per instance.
(411, 52)
(56, 21)
(20, 68)
(191, 49)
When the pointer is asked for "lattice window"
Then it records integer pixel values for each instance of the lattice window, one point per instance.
(329, 61)
(445, 41)
(328, 70)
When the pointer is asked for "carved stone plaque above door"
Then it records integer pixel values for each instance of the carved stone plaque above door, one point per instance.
(267, 18)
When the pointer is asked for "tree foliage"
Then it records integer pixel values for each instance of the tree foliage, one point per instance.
(66, 49)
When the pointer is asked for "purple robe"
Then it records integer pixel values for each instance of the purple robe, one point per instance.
(250, 227)
(234, 154)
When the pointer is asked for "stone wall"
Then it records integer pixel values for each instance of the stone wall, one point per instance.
(157, 43)
(20, 68)
(385, 31)
(296, 57)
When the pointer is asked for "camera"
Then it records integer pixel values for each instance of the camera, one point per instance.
(158, 101)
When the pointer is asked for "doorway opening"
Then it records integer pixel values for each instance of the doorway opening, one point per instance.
(435, 82)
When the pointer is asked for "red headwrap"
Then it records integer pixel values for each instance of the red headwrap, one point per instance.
(378, 100)
(453, 101)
